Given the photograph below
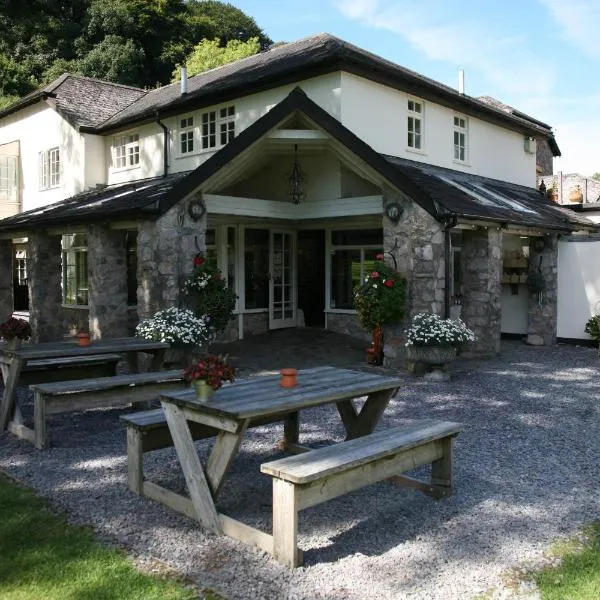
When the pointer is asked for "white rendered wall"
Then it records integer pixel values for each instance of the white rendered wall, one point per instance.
(513, 306)
(578, 287)
(39, 128)
(378, 114)
(324, 90)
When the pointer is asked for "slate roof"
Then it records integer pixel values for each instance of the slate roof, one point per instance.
(134, 200)
(308, 57)
(443, 193)
(84, 102)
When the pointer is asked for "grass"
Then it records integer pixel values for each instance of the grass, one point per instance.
(42, 556)
(578, 576)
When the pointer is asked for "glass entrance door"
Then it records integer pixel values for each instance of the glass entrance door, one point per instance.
(282, 283)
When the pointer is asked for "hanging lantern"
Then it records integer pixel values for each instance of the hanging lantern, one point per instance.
(296, 180)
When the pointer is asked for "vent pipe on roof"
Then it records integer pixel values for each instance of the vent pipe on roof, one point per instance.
(184, 81)
(461, 81)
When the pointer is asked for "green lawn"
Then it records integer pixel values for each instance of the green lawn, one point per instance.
(578, 576)
(42, 556)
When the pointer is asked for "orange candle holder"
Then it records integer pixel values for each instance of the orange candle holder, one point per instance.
(288, 378)
(83, 339)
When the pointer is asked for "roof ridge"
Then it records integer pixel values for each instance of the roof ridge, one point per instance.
(101, 81)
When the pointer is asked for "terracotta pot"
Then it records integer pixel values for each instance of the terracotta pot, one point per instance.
(204, 392)
(288, 378)
(431, 355)
(576, 195)
(83, 339)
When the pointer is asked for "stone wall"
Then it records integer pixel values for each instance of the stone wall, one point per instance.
(166, 250)
(256, 323)
(481, 265)
(347, 324)
(417, 244)
(565, 183)
(45, 309)
(6, 279)
(107, 272)
(542, 307)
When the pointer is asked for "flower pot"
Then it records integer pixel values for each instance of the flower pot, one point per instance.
(204, 392)
(576, 195)
(83, 339)
(288, 378)
(431, 355)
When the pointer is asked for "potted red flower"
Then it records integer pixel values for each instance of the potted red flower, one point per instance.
(208, 373)
(14, 331)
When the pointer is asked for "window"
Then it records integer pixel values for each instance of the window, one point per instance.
(186, 135)
(353, 255)
(256, 268)
(74, 268)
(8, 178)
(217, 127)
(20, 268)
(415, 124)
(49, 169)
(460, 138)
(126, 151)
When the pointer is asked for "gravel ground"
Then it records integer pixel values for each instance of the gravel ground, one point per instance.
(526, 472)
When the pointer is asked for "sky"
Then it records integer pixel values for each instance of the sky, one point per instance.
(539, 56)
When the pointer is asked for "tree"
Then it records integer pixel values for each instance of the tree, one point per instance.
(596, 176)
(209, 54)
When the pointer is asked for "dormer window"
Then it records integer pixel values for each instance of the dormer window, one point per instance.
(126, 151)
(186, 135)
(414, 124)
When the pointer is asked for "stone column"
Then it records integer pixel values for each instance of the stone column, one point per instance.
(107, 277)
(45, 293)
(481, 264)
(6, 279)
(417, 243)
(542, 306)
(166, 250)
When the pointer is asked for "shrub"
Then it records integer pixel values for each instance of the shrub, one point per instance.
(209, 295)
(381, 298)
(593, 327)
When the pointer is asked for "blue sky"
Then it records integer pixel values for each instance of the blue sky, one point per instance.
(540, 56)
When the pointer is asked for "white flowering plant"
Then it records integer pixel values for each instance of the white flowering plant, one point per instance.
(429, 329)
(177, 326)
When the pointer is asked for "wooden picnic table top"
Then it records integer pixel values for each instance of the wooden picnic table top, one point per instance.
(72, 348)
(259, 396)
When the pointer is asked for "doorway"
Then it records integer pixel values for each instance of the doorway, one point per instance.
(311, 276)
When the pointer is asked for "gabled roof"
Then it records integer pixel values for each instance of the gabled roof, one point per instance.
(293, 62)
(443, 193)
(84, 102)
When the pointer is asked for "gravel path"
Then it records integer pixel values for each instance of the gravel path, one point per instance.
(526, 473)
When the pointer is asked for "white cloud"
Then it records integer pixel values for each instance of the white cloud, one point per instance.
(505, 61)
(579, 21)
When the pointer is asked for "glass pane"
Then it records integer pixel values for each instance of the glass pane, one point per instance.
(256, 268)
(345, 276)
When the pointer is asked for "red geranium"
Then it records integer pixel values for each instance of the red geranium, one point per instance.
(15, 328)
(374, 274)
(212, 368)
(198, 261)
(388, 283)
(379, 257)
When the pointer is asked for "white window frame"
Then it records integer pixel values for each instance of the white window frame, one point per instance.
(330, 249)
(415, 108)
(186, 134)
(460, 138)
(69, 254)
(49, 169)
(126, 151)
(9, 174)
(217, 127)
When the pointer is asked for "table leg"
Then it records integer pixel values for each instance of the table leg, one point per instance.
(364, 422)
(200, 495)
(132, 361)
(222, 456)
(11, 379)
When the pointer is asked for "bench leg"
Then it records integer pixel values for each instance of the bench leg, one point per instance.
(135, 460)
(285, 523)
(39, 421)
(441, 469)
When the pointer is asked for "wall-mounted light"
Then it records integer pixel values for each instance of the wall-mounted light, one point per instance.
(393, 211)
(196, 209)
(296, 180)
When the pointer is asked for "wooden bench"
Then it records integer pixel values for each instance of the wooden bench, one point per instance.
(316, 476)
(67, 368)
(120, 390)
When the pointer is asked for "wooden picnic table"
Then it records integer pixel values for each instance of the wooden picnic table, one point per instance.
(248, 402)
(13, 361)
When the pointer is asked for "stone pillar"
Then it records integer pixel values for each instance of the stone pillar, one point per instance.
(45, 293)
(417, 243)
(481, 264)
(6, 280)
(542, 306)
(166, 250)
(107, 277)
